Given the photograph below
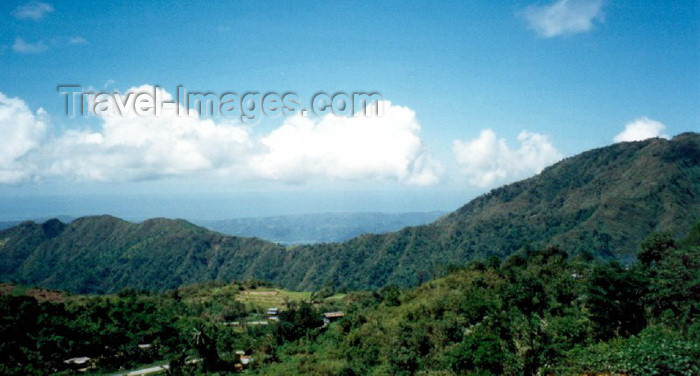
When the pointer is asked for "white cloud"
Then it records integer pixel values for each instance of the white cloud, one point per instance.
(77, 40)
(349, 148)
(129, 147)
(34, 10)
(489, 161)
(564, 17)
(23, 47)
(21, 132)
(641, 129)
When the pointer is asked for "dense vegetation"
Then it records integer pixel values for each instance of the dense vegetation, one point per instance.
(603, 201)
(184, 328)
(319, 227)
(537, 312)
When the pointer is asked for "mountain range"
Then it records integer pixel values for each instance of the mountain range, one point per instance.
(297, 229)
(602, 202)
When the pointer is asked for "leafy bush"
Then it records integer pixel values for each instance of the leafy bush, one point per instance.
(654, 352)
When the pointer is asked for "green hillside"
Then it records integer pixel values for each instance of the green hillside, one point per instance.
(602, 202)
(103, 254)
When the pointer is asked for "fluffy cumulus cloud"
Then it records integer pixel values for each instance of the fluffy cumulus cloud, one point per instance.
(564, 17)
(349, 148)
(33, 10)
(488, 161)
(130, 147)
(21, 132)
(641, 129)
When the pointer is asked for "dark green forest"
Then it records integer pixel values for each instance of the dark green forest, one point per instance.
(539, 311)
(603, 201)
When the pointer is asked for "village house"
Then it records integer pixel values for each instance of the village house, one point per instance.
(80, 364)
(251, 323)
(329, 317)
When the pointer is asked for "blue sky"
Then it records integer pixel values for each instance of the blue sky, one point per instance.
(493, 91)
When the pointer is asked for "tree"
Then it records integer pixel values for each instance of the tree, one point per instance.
(297, 321)
(655, 247)
(615, 301)
(478, 351)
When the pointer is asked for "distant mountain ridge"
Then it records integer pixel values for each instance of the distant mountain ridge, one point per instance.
(318, 227)
(8, 224)
(603, 201)
(295, 229)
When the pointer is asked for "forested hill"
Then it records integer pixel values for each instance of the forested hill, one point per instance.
(105, 254)
(603, 201)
